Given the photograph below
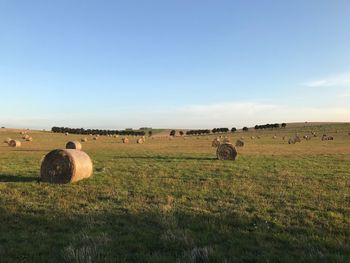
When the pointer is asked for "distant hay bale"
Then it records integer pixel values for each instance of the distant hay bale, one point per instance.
(327, 138)
(65, 166)
(274, 137)
(226, 151)
(25, 137)
(294, 139)
(66, 133)
(242, 138)
(74, 145)
(215, 143)
(125, 140)
(239, 143)
(252, 137)
(95, 138)
(84, 139)
(140, 141)
(116, 136)
(306, 137)
(14, 143)
(29, 139)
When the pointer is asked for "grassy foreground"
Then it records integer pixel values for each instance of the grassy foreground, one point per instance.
(172, 201)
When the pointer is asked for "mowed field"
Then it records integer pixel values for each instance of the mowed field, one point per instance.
(173, 201)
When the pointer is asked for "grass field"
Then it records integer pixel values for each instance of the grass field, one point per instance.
(172, 201)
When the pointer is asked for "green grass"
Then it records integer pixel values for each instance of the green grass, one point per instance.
(172, 201)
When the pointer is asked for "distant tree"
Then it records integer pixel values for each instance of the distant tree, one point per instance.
(150, 133)
(172, 133)
(233, 129)
(181, 133)
(284, 125)
(245, 129)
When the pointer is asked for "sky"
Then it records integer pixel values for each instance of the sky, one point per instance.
(173, 63)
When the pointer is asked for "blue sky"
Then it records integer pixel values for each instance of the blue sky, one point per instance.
(183, 63)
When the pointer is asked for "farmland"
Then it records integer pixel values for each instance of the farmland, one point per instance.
(171, 200)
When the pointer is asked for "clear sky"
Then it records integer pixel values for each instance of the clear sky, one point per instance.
(181, 63)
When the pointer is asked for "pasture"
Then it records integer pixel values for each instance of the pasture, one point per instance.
(173, 201)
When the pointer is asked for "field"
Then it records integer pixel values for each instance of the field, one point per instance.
(172, 201)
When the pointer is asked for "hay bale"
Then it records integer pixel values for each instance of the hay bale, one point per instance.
(29, 139)
(14, 143)
(84, 139)
(252, 137)
(140, 141)
(274, 137)
(7, 140)
(215, 143)
(66, 133)
(226, 151)
(74, 145)
(25, 137)
(65, 166)
(294, 139)
(95, 138)
(239, 143)
(125, 140)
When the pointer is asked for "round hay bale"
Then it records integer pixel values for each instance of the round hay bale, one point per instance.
(74, 145)
(66, 133)
(65, 166)
(274, 137)
(140, 141)
(25, 137)
(84, 139)
(95, 138)
(226, 151)
(116, 136)
(252, 137)
(215, 143)
(14, 143)
(29, 139)
(291, 141)
(125, 140)
(239, 143)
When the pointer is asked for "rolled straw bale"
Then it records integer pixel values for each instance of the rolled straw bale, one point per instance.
(84, 139)
(29, 139)
(65, 166)
(125, 140)
(7, 140)
(66, 133)
(25, 137)
(239, 143)
(95, 138)
(140, 141)
(226, 151)
(215, 142)
(14, 143)
(274, 137)
(74, 145)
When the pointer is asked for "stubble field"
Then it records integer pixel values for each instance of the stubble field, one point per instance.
(173, 201)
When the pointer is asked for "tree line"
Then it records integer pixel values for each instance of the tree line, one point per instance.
(270, 126)
(96, 131)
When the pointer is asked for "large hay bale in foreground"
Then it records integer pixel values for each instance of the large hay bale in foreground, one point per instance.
(74, 145)
(226, 151)
(239, 143)
(65, 166)
(15, 143)
(215, 143)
